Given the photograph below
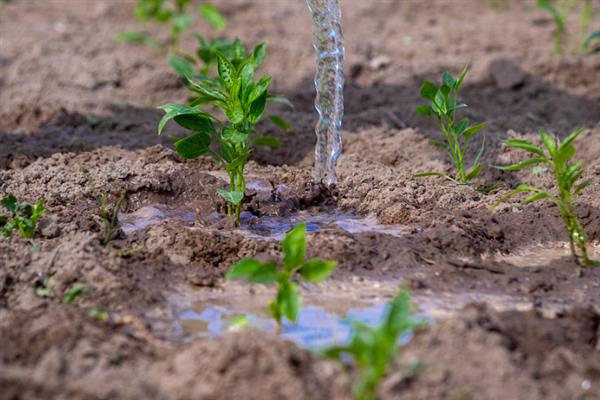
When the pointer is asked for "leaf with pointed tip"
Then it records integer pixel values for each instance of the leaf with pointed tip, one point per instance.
(234, 197)
(316, 271)
(425, 110)
(522, 164)
(473, 130)
(428, 90)
(173, 110)
(294, 247)
(569, 139)
(259, 54)
(524, 145)
(253, 271)
(193, 146)
(213, 16)
(227, 72)
(180, 65)
(280, 100)
(281, 123)
(267, 141)
(582, 186)
(548, 142)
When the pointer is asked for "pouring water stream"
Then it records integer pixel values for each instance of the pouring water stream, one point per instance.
(329, 83)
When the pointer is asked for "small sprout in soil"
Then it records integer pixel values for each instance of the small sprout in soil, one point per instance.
(75, 291)
(560, 11)
(442, 111)
(23, 217)
(243, 101)
(110, 215)
(100, 315)
(288, 301)
(556, 156)
(374, 349)
(44, 288)
(175, 14)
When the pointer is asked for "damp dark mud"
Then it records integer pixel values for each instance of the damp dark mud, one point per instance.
(510, 317)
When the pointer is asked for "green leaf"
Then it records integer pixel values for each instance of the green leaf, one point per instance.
(425, 110)
(399, 315)
(535, 197)
(180, 65)
(428, 90)
(193, 146)
(235, 113)
(204, 89)
(253, 271)
(260, 89)
(524, 145)
(181, 22)
(281, 123)
(461, 78)
(440, 174)
(280, 100)
(267, 141)
(173, 110)
(523, 188)
(213, 16)
(439, 103)
(473, 130)
(136, 37)
(234, 198)
(257, 109)
(475, 171)
(316, 271)
(74, 292)
(10, 203)
(448, 80)
(294, 247)
(582, 186)
(569, 139)
(196, 122)
(227, 72)
(522, 164)
(259, 54)
(289, 301)
(548, 142)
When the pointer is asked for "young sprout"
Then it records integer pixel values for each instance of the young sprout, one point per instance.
(442, 111)
(556, 157)
(374, 349)
(174, 13)
(23, 217)
(593, 39)
(243, 101)
(110, 215)
(288, 301)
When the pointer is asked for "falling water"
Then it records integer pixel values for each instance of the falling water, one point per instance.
(329, 82)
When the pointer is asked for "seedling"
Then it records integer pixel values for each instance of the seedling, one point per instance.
(100, 315)
(560, 11)
(243, 102)
(175, 14)
(374, 349)
(110, 215)
(23, 217)
(556, 156)
(442, 111)
(75, 291)
(44, 288)
(288, 301)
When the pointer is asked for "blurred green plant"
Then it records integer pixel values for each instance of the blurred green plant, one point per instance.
(176, 15)
(442, 111)
(288, 301)
(556, 157)
(560, 10)
(592, 43)
(374, 349)
(243, 101)
(23, 217)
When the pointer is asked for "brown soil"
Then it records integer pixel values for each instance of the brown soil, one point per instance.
(59, 66)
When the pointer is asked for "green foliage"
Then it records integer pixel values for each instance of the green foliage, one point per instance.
(44, 287)
(23, 217)
(175, 14)
(442, 111)
(374, 349)
(242, 100)
(556, 156)
(75, 291)
(100, 315)
(288, 301)
(592, 43)
(560, 11)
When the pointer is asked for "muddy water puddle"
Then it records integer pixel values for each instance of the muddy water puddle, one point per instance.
(264, 227)
(327, 312)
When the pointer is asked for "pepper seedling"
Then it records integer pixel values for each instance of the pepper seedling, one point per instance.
(243, 101)
(23, 217)
(556, 156)
(288, 301)
(374, 349)
(442, 111)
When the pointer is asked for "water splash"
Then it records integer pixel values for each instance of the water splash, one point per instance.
(329, 83)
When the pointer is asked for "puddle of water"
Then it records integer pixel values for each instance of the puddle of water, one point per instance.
(153, 215)
(315, 329)
(265, 227)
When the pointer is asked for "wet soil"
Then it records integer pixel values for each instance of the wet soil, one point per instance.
(78, 118)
